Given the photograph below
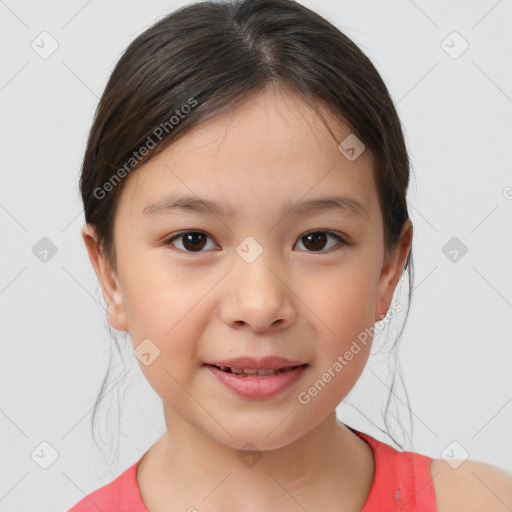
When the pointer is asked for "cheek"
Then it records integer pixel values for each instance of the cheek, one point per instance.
(344, 301)
(168, 321)
(164, 306)
(160, 296)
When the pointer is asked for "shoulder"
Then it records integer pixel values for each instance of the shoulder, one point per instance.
(471, 487)
(121, 494)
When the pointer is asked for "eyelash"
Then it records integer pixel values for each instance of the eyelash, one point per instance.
(341, 241)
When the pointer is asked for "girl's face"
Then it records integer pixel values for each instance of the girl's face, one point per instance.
(264, 274)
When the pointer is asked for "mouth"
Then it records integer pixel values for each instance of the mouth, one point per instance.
(257, 379)
(256, 372)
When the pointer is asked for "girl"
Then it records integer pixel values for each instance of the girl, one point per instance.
(244, 186)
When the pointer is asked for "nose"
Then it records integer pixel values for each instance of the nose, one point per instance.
(259, 298)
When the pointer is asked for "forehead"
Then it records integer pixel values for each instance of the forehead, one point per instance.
(273, 148)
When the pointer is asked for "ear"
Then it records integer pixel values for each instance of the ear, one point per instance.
(109, 282)
(392, 270)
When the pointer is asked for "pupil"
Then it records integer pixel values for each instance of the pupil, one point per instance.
(315, 237)
(190, 241)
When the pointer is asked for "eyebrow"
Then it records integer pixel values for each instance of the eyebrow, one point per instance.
(203, 206)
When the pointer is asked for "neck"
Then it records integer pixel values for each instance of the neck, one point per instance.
(189, 467)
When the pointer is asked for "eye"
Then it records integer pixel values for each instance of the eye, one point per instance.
(314, 241)
(193, 241)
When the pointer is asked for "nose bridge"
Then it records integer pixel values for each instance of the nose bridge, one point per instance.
(259, 296)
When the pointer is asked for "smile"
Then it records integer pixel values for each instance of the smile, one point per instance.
(256, 383)
(254, 372)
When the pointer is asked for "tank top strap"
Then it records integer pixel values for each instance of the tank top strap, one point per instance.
(402, 480)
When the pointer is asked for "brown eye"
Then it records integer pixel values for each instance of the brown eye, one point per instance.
(196, 241)
(316, 240)
(191, 241)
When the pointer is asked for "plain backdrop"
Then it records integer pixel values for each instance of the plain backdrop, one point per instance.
(447, 66)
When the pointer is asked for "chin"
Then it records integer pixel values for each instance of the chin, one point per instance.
(270, 433)
(258, 440)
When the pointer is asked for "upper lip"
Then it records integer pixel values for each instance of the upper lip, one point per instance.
(264, 363)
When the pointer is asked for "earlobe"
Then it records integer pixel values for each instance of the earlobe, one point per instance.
(117, 316)
(116, 311)
(392, 270)
(116, 297)
(107, 278)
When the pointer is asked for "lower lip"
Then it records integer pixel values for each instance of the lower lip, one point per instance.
(258, 388)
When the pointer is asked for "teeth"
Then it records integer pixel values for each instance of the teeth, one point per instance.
(265, 372)
(254, 371)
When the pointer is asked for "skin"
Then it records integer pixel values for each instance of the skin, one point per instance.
(291, 301)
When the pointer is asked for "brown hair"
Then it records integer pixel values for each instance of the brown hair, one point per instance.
(211, 56)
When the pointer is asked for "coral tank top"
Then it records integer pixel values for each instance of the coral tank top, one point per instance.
(402, 481)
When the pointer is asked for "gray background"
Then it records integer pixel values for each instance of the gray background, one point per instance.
(456, 350)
